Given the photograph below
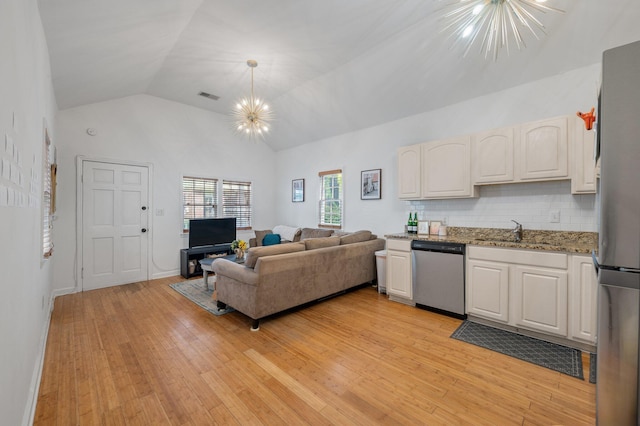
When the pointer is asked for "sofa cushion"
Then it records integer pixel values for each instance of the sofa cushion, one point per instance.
(260, 236)
(315, 233)
(255, 253)
(356, 237)
(271, 239)
(316, 243)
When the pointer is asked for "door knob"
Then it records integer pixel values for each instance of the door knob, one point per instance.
(144, 229)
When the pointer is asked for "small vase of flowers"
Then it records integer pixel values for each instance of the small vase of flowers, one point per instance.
(239, 247)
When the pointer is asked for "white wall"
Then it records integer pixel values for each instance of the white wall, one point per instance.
(376, 147)
(176, 140)
(26, 101)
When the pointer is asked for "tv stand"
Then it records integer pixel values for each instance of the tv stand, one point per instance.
(191, 256)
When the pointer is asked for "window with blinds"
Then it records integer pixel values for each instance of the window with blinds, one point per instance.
(331, 203)
(200, 199)
(47, 206)
(236, 202)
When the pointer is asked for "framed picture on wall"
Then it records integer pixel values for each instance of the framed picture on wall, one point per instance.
(371, 184)
(297, 190)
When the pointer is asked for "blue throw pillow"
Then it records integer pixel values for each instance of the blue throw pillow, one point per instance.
(271, 239)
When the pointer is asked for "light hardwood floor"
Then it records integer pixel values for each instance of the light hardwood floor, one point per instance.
(143, 354)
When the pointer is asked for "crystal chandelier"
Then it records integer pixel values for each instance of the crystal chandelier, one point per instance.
(494, 22)
(252, 115)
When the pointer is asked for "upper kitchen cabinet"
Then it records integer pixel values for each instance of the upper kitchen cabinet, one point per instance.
(493, 156)
(583, 174)
(544, 150)
(409, 175)
(446, 169)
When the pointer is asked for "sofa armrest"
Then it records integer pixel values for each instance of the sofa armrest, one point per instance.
(235, 271)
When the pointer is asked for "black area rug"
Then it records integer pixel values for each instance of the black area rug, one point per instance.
(593, 359)
(555, 357)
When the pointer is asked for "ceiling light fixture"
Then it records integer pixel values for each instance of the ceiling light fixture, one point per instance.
(252, 115)
(495, 20)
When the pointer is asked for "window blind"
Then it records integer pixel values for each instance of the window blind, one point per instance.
(236, 202)
(47, 238)
(200, 199)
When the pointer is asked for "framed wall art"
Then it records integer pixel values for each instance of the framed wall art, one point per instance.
(371, 184)
(297, 190)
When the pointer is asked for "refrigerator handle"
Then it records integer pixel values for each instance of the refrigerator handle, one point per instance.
(596, 265)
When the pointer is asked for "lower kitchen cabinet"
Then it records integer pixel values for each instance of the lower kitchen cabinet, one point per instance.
(399, 284)
(540, 296)
(488, 297)
(583, 291)
(545, 292)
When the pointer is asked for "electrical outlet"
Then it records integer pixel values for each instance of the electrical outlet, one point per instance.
(554, 216)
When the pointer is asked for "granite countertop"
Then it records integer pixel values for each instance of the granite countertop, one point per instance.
(562, 241)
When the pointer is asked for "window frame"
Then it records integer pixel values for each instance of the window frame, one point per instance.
(222, 204)
(322, 201)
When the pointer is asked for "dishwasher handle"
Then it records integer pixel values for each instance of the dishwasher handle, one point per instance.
(437, 246)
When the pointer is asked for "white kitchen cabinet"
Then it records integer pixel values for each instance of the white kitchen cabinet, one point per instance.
(399, 284)
(583, 174)
(446, 169)
(524, 289)
(493, 156)
(409, 172)
(583, 292)
(540, 297)
(488, 290)
(543, 150)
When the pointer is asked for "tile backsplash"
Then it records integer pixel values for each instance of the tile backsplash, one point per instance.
(535, 205)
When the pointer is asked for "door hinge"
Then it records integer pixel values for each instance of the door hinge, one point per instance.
(82, 273)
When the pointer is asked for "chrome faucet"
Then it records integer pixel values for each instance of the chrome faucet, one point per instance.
(517, 231)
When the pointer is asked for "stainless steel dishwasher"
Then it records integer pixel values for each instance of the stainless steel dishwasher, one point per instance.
(438, 276)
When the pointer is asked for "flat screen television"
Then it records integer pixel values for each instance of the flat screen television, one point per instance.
(211, 232)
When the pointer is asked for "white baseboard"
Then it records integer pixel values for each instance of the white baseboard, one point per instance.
(165, 274)
(34, 388)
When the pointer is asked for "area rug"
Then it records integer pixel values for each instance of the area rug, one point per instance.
(593, 360)
(195, 291)
(555, 357)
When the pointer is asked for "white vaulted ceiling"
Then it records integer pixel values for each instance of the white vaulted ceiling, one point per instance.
(327, 67)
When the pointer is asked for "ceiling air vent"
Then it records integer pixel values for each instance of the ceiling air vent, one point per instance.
(209, 95)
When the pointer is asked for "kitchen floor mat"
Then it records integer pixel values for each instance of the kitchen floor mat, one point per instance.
(550, 355)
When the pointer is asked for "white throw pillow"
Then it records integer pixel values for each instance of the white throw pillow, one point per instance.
(286, 232)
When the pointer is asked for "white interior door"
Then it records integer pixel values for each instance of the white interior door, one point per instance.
(115, 212)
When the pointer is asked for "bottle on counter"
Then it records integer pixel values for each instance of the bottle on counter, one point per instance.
(415, 223)
(409, 224)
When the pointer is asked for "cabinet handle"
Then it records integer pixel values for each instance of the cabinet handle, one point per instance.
(144, 230)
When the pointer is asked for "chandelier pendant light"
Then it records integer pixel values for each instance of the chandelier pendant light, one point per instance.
(252, 115)
(494, 22)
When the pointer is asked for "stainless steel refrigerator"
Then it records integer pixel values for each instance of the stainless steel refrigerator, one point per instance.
(618, 256)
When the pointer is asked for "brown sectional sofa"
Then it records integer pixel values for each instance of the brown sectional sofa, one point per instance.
(279, 277)
(301, 234)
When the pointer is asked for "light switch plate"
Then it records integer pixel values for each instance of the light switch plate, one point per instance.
(554, 216)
